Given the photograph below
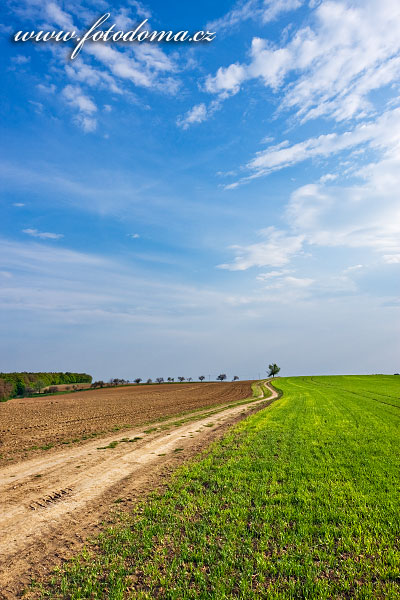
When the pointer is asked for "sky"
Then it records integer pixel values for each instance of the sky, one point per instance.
(179, 209)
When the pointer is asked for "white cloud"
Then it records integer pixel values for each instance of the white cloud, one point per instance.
(46, 89)
(85, 106)
(81, 72)
(353, 268)
(362, 216)
(327, 177)
(242, 11)
(346, 52)
(142, 65)
(276, 251)
(134, 236)
(197, 114)
(43, 235)
(67, 282)
(18, 204)
(227, 80)
(37, 106)
(290, 285)
(75, 97)
(271, 275)
(365, 215)
(21, 59)
(274, 8)
(381, 134)
(123, 20)
(59, 17)
(256, 10)
(141, 10)
(391, 259)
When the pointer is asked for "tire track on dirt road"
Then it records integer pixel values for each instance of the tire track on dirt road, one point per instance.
(50, 504)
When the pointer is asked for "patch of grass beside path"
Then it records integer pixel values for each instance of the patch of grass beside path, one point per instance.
(298, 501)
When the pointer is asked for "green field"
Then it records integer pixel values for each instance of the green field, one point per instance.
(300, 500)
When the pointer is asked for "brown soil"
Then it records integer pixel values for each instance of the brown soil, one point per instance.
(51, 503)
(63, 387)
(30, 426)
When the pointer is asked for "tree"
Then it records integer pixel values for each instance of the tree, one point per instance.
(190, 378)
(19, 388)
(221, 377)
(236, 378)
(273, 370)
(201, 377)
(38, 385)
(160, 379)
(181, 379)
(149, 380)
(170, 379)
(138, 380)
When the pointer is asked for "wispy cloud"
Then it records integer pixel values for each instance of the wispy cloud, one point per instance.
(276, 250)
(85, 106)
(197, 114)
(363, 215)
(141, 9)
(21, 59)
(119, 69)
(380, 134)
(59, 16)
(256, 10)
(43, 235)
(345, 53)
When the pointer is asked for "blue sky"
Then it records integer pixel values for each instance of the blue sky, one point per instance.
(180, 209)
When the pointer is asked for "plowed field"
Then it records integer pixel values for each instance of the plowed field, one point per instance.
(32, 425)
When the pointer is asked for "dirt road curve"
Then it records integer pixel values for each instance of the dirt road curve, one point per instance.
(51, 503)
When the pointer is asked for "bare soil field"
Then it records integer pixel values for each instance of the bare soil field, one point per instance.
(52, 502)
(31, 426)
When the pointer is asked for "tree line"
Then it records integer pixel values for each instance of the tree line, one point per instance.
(13, 385)
(181, 379)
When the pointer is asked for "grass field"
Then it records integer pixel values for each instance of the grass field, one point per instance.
(298, 501)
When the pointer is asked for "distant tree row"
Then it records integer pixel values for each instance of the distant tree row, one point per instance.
(181, 379)
(21, 384)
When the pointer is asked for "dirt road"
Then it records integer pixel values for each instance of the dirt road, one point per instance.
(51, 503)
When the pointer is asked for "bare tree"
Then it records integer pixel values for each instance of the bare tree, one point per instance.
(201, 377)
(190, 378)
(221, 377)
(160, 379)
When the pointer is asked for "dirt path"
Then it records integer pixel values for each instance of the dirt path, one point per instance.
(50, 504)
